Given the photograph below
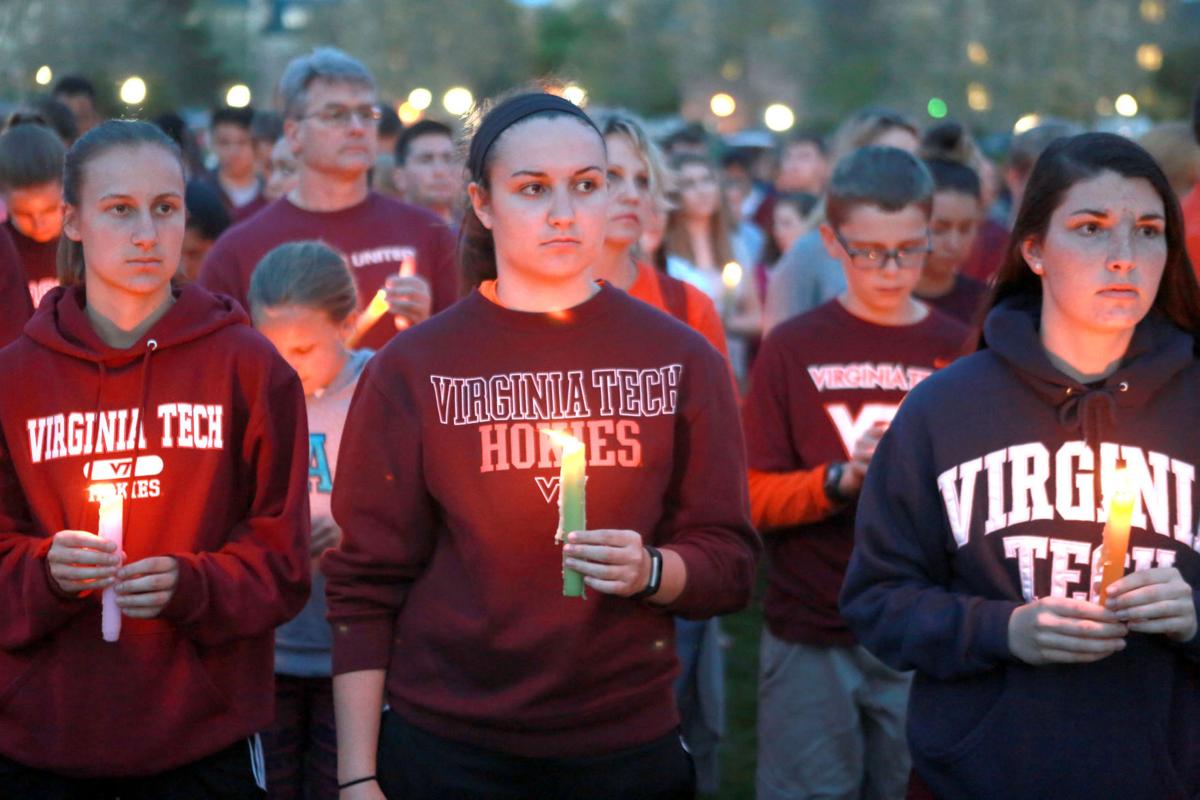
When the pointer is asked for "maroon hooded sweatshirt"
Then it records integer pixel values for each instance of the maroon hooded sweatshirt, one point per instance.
(216, 479)
(15, 305)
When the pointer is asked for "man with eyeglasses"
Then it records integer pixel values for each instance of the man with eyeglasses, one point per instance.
(826, 385)
(331, 114)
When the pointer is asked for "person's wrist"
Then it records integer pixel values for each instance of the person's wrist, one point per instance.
(653, 569)
(359, 781)
(835, 478)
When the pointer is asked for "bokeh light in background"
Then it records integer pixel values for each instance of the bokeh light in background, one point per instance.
(1153, 10)
(43, 76)
(458, 100)
(937, 107)
(420, 99)
(1150, 57)
(1027, 122)
(238, 96)
(977, 53)
(978, 96)
(779, 118)
(408, 113)
(1126, 105)
(722, 104)
(576, 94)
(133, 91)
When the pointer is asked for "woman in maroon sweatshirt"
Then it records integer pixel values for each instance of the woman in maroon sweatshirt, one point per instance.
(164, 397)
(446, 595)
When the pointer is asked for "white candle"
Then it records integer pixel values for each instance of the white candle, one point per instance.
(112, 529)
(731, 277)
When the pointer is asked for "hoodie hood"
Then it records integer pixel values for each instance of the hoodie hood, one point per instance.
(61, 324)
(1158, 351)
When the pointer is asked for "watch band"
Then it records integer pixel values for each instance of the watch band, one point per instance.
(833, 480)
(655, 583)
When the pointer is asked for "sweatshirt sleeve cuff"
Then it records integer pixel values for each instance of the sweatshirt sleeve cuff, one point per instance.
(54, 599)
(698, 600)
(185, 603)
(362, 644)
(990, 643)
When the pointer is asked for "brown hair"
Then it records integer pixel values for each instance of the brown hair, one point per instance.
(309, 274)
(676, 241)
(30, 155)
(99, 140)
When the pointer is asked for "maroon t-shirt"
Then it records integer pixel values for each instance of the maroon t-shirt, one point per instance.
(377, 237)
(40, 260)
(821, 380)
(15, 304)
(988, 252)
(963, 301)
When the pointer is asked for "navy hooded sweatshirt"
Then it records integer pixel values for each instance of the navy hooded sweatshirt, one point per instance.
(982, 497)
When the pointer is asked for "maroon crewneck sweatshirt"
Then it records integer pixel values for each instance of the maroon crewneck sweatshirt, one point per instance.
(449, 577)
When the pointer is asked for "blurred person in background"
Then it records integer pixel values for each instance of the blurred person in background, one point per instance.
(789, 221)
(738, 186)
(953, 226)
(1174, 147)
(177, 128)
(235, 179)
(283, 174)
(207, 219)
(699, 243)
(266, 128)
(31, 165)
(428, 170)
(79, 94)
(950, 141)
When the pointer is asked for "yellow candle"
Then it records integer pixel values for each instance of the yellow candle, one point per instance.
(370, 315)
(1116, 530)
(572, 500)
(731, 277)
(112, 529)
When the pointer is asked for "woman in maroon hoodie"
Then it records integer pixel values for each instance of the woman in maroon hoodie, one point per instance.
(161, 396)
(447, 590)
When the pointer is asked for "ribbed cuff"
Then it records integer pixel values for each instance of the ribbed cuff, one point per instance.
(360, 644)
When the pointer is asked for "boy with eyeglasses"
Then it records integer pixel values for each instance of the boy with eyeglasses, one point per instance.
(331, 115)
(825, 386)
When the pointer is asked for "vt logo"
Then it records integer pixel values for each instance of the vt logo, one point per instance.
(548, 487)
(112, 469)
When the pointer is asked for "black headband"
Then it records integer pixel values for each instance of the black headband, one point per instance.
(509, 113)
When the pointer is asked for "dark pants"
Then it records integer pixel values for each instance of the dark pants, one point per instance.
(235, 773)
(416, 765)
(301, 746)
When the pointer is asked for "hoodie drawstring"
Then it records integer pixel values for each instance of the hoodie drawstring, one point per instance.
(81, 519)
(151, 346)
(1094, 413)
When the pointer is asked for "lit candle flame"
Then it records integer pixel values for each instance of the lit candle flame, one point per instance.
(731, 275)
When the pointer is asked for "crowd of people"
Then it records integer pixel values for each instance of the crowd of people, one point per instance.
(315, 369)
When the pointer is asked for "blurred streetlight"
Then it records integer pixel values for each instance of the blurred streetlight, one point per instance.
(1126, 105)
(576, 94)
(937, 107)
(977, 53)
(1153, 10)
(43, 76)
(133, 91)
(1150, 57)
(458, 101)
(722, 104)
(420, 99)
(409, 113)
(779, 118)
(978, 96)
(238, 96)
(1027, 122)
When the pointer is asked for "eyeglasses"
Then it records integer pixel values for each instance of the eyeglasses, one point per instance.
(878, 257)
(340, 116)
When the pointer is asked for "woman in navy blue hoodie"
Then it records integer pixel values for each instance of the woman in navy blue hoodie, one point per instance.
(979, 527)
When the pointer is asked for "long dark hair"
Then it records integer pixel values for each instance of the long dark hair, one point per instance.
(1068, 161)
(93, 144)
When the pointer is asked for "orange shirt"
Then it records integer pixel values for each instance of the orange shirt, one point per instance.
(701, 315)
(1191, 226)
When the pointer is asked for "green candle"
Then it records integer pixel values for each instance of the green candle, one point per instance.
(572, 501)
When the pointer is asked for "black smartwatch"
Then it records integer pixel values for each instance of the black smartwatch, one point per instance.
(833, 480)
(656, 571)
